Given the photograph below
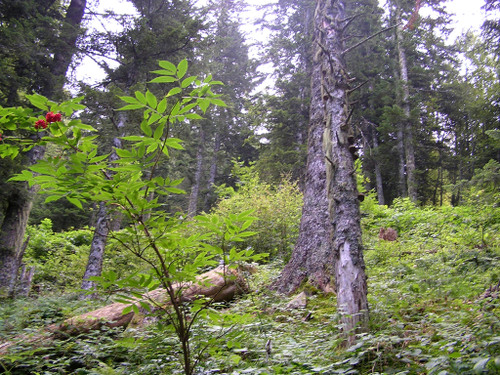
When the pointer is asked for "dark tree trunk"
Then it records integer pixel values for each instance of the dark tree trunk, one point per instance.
(66, 48)
(311, 257)
(16, 216)
(350, 278)
(378, 172)
(13, 229)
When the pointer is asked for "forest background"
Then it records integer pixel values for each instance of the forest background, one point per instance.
(423, 118)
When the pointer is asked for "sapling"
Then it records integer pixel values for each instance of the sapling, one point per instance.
(131, 185)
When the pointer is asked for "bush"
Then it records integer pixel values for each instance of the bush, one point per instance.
(278, 210)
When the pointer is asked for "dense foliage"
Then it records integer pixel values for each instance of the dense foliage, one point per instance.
(193, 172)
(433, 297)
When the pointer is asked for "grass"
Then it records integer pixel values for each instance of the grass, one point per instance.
(429, 306)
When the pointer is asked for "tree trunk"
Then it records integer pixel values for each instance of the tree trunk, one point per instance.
(212, 174)
(66, 48)
(17, 214)
(378, 172)
(311, 257)
(96, 256)
(105, 222)
(343, 195)
(13, 229)
(195, 188)
(406, 126)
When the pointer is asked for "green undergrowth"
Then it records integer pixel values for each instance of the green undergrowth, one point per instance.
(433, 308)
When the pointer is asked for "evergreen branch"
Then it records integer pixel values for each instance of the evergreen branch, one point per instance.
(368, 38)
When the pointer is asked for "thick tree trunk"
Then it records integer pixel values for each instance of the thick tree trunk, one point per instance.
(195, 188)
(343, 195)
(66, 47)
(16, 216)
(312, 257)
(13, 229)
(406, 126)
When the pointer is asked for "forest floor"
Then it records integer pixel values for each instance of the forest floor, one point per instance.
(434, 309)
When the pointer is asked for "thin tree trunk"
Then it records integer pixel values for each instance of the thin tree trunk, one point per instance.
(378, 172)
(195, 188)
(105, 222)
(97, 247)
(212, 174)
(406, 127)
(343, 195)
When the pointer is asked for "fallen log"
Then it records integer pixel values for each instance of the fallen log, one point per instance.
(220, 284)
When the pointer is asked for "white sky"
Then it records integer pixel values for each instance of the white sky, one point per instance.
(468, 14)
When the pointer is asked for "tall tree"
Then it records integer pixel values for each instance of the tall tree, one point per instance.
(350, 279)
(311, 257)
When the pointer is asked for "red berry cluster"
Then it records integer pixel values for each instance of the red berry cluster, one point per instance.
(49, 117)
(53, 117)
(1, 137)
(40, 124)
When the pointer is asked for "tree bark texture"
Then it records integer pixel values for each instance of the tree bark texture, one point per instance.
(195, 188)
(96, 256)
(17, 214)
(378, 172)
(209, 195)
(343, 195)
(66, 48)
(406, 126)
(312, 257)
(13, 229)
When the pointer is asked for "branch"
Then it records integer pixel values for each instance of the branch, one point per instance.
(368, 38)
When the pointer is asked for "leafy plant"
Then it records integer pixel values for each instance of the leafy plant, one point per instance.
(128, 182)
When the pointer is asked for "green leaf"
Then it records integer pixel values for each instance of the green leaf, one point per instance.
(128, 99)
(218, 102)
(152, 102)
(162, 105)
(163, 79)
(75, 201)
(130, 106)
(175, 190)
(167, 65)
(174, 143)
(127, 310)
(52, 198)
(38, 101)
(134, 138)
(185, 83)
(159, 131)
(146, 129)
(203, 104)
(182, 68)
(174, 91)
(140, 97)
